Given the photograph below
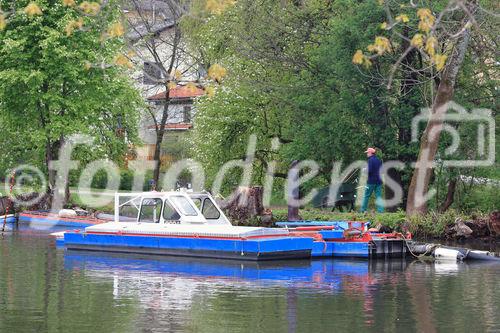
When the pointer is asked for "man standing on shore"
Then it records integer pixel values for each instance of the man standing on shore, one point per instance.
(374, 183)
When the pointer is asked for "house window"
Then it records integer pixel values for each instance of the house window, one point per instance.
(186, 114)
(153, 73)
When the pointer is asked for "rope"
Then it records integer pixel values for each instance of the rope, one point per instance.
(418, 256)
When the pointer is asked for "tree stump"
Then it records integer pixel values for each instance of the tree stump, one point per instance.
(244, 205)
(494, 224)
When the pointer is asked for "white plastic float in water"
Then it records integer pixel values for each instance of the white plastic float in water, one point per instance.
(445, 253)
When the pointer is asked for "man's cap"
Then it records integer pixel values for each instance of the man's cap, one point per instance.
(371, 150)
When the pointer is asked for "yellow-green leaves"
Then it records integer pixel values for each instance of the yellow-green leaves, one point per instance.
(3, 22)
(426, 19)
(90, 8)
(32, 9)
(73, 25)
(402, 18)
(439, 61)
(425, 40)
(116, 30)
(216, 72)
(417, 41)
(360, 59)
(122, 60)
(176, 74)
(380, 46)
(171, 85)
(430, 46)
(210, 91)
(218, 6)
(69, 3)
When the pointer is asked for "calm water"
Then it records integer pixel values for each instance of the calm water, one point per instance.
(44, 289)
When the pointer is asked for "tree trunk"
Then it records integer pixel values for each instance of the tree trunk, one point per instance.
(429, 142)
(160, 133)
(51, 154)
(157, 157)
(450, 196)
(293, 194)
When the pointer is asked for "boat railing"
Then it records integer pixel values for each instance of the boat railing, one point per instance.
(134, 200)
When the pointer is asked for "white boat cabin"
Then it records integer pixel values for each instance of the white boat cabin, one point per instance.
(176, 207)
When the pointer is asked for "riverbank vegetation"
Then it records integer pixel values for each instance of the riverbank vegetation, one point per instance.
(310, 80)
(291, 79)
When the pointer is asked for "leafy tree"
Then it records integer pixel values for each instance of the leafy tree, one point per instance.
(441, 34)
(49, 88)
(290, 75)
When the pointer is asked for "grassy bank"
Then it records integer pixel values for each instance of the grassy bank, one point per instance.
(431, 225)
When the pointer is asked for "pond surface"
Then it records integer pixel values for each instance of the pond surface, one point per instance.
(45, 289)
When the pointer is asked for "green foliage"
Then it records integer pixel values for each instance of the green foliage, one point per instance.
(49, 92)
(290, 75)
(296, 83)
(393, 220)
(431, 225)
(483, 198)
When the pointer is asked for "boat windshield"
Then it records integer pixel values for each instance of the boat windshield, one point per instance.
(184, 205)
(169, 213)
(150, 210)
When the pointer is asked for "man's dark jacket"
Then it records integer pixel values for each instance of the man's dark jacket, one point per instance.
(374, 165)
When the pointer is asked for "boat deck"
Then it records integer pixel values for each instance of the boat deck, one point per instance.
(44, 218)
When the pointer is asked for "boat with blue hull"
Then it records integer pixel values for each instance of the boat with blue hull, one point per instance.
(350, 239)
(172, 223)
(244, 243)
(192, 224)
(65, 218)
(7, 222)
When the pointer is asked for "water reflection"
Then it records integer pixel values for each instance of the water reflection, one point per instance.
(175, 283)
(45, 289)
(331, 276)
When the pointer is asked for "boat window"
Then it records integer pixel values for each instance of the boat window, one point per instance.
(169, 213)
(197, 202)
(210, 211)
(150, 210)
(183, 204)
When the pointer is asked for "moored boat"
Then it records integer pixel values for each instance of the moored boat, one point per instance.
(7, 221)
(47, 219)
(192, 224)
(171, 223)
(349, 239)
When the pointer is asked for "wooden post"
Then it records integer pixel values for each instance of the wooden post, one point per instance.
(293, 194)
